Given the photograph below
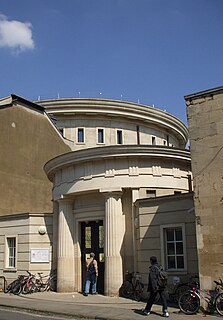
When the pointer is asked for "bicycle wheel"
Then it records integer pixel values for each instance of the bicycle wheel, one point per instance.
(127, 289)
(17, 288)
(182, 288)
(26, 288)
(8, 288)
(219, 303)
(138, 291)
(189, 303)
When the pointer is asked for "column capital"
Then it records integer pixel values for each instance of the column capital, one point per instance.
(111, 191)
(63, 199)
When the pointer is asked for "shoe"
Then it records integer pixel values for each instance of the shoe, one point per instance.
(94, 292)
(85, 294)
(145, 312)
(166, 314)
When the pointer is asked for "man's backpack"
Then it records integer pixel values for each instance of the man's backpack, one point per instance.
(162, 277)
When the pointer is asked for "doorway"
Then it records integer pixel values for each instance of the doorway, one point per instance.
(92, 240)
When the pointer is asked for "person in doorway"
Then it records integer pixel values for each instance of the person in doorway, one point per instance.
(91, 275)
(155, 289)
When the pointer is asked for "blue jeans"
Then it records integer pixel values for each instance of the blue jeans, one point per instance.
(91, 279)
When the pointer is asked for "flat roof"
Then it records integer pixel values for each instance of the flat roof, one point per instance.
(204, 93)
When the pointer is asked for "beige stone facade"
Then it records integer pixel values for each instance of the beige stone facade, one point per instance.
(104, 160)
(102, 179)
(205, 119)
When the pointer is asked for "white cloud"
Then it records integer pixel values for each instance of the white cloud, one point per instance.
(15, 35)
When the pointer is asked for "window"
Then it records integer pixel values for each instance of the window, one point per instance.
(119, 137)
(174, 248)
(100, 135)
(168, 139)
(151, 193)
(11, 252)
(80, 135)
(153, 140)
(61, 132)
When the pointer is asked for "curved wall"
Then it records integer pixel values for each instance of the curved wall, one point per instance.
(139, 124)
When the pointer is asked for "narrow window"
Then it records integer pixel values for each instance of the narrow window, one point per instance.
(61, 132)
(88, 237)
(100, 135)
(167, 139)
(164, 142)
(138, 134)
(151, 193)
(11, 252)
(174, 248)
(80, 135)
(119, 137)
(153, 140)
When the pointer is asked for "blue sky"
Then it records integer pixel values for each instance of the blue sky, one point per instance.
(149, 51)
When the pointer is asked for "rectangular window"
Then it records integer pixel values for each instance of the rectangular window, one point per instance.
(167, 139)
(80, 135)
(11, 252)
(153, 140)
(61, 132)
(100, 135)
(151, 193)
(174, 248)
(119, 137)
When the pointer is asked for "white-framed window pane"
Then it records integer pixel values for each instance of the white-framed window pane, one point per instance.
(100, 135)
(80, 135)
(174, 248)
(11, 249)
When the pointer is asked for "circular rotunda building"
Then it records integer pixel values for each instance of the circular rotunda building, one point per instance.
(120, 152)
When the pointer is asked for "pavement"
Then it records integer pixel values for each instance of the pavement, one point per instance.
(75, 305)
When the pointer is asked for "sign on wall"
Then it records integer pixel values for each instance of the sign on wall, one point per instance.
(40, 255)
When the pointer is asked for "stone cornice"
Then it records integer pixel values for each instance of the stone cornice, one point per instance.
(117, 108)
(111, 152)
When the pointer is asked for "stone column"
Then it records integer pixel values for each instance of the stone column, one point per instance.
(55, 234)
(114, 234)
(65, 253)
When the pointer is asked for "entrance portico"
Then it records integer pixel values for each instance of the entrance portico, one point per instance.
(100, 185)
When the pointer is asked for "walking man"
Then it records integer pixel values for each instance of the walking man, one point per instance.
(154, 288)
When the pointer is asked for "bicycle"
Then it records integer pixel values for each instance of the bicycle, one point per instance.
(189, 302)
(183, 287)
(132, 287)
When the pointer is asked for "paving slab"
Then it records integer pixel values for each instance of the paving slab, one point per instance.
(91, 307)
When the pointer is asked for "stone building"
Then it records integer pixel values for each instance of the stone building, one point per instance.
(121, 187)
(28, 139)
(205, 120)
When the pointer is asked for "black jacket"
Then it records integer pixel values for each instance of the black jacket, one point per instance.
(153, 278)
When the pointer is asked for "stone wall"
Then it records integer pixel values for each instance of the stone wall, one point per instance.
(205, 119)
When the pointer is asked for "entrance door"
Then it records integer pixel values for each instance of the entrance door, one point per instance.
(92, 240)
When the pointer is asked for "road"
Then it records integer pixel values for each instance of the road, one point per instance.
(15, 314)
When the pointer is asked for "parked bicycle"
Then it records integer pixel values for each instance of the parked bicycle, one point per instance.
(189, 302)
(39, 283)
(132, 286)
(183, 287)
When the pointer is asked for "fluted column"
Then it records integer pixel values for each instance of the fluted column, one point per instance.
(65, 253)
(114, 234)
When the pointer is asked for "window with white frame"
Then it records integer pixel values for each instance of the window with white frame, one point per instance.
(174, 247)
(100, 135)
(80, 135)
(10, 252)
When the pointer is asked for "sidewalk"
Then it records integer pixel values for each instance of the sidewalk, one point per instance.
(92, 307)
